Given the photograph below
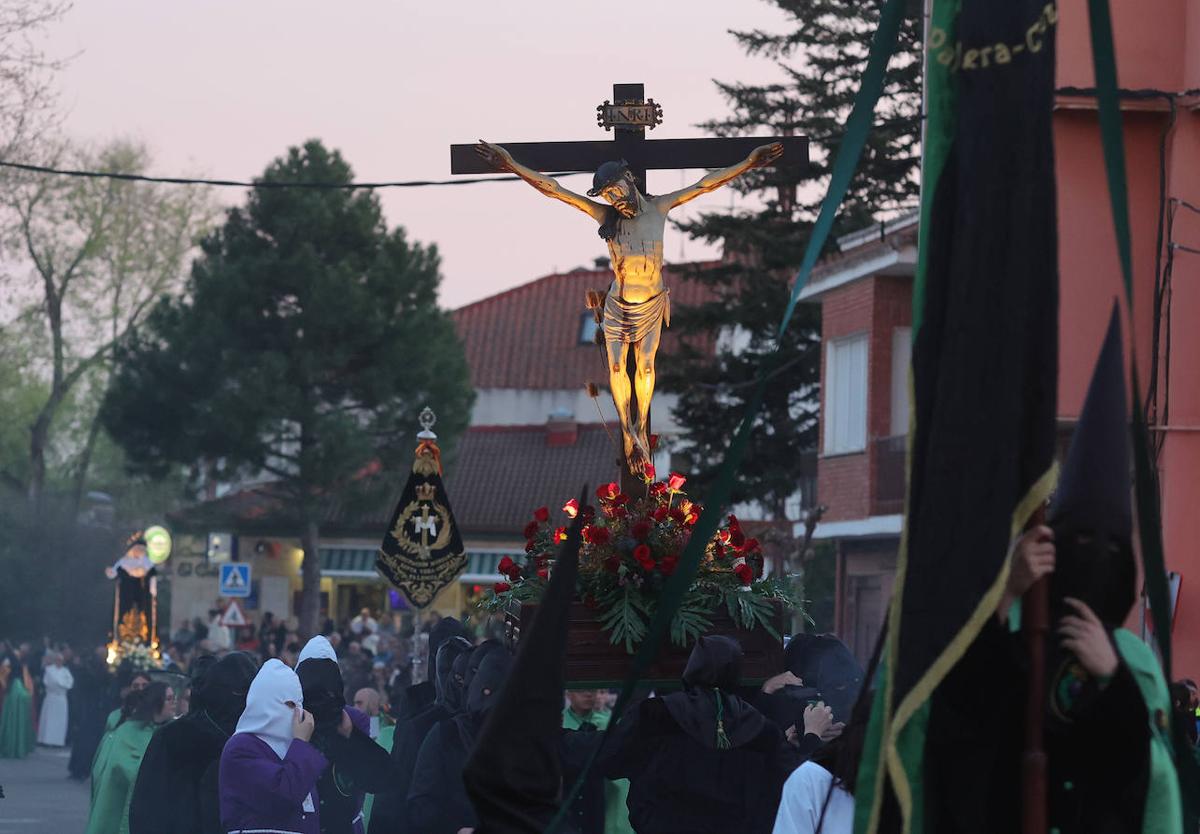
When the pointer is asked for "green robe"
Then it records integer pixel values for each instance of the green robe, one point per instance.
(17, 738)
(616, 812)
(114, 772)
(387, 737)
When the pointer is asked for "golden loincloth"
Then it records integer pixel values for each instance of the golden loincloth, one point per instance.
(630, 322)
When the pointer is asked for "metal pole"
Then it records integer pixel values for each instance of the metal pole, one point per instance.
(1035, 624)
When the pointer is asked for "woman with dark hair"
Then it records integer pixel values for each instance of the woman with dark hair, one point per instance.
(17, 735)
(115, 769)
(176, 791)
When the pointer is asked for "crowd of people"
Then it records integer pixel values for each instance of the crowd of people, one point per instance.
(393, 729)
(333, 735)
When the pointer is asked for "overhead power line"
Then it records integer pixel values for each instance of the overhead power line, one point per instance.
(115, 175)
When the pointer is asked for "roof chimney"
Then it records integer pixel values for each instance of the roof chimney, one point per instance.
(561, 428)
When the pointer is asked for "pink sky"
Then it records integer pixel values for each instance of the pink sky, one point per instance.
(219, 88)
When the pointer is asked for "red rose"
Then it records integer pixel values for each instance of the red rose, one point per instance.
(734, 524)
(751, 545)
(620, 498)
(543, 573)
(531, 546)
(737, 538)
(659, 514)
(723, 536)
(642, 554)
(675, 482)
(745, 573)
(608, 492)
(506, 564)
(571, 508)
(648, 473)
(618, 512)
(693, 515)
(596, 535)
(658, 489)
(653, 442)
(513, 573)
(640, 530)
(677, 515)
(560, 535)
(531, 529)
(501, 587)
(589, 512)
(542, 514)
(668, 564)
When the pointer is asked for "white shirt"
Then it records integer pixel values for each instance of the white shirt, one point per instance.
(804, 796)
(358, 624)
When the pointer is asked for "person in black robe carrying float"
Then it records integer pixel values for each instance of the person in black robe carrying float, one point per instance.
(1107, 735)
(704, 760)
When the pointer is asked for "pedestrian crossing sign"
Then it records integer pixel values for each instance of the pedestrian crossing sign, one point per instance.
(234, 580)
(233, 616)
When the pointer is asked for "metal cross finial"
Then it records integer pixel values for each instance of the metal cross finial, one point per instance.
(427, 419)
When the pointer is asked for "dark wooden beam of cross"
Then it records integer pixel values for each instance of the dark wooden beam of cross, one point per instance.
(629, 114)
(631, 144)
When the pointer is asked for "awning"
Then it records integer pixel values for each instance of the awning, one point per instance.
(359, 563)
(483, 567)
(349, 562)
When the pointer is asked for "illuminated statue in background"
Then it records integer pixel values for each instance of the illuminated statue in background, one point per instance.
(638, 304)
(135, 610)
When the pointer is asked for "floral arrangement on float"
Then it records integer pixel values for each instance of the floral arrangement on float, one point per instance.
(141, 658)
(630, 547)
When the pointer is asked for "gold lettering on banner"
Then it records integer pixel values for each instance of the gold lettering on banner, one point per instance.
(954, 56)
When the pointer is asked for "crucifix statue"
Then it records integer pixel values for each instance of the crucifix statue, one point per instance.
(632, 222)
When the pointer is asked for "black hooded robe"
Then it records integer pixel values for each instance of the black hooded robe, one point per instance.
(89, 709)
(176, 787)
(357, 765)
(681, 780)
(438, 801)
(420, 712)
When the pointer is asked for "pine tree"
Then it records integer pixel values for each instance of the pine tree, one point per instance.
(308, 341)
(821, 59)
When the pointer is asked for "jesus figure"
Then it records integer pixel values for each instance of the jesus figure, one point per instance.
(638, 304)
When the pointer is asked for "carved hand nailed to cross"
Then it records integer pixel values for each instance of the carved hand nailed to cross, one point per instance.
(638, 304)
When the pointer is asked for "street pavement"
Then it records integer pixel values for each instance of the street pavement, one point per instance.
(38, 796)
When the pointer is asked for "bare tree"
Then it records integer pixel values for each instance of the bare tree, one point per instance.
(26, 72)
(96, 254)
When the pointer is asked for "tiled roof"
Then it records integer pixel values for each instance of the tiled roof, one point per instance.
(500, 475)
(528, 337)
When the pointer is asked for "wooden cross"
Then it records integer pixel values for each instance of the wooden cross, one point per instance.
(630, 143)
(629, 115)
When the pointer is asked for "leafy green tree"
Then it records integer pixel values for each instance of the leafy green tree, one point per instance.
(87, 259)
(308, 341)
(820, 57)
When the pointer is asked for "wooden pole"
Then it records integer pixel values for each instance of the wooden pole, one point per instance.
(1035, 625)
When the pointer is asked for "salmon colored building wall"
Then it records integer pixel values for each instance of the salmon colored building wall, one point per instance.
(1158, 48)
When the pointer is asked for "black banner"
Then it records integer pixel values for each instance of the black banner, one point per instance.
(422, 551)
